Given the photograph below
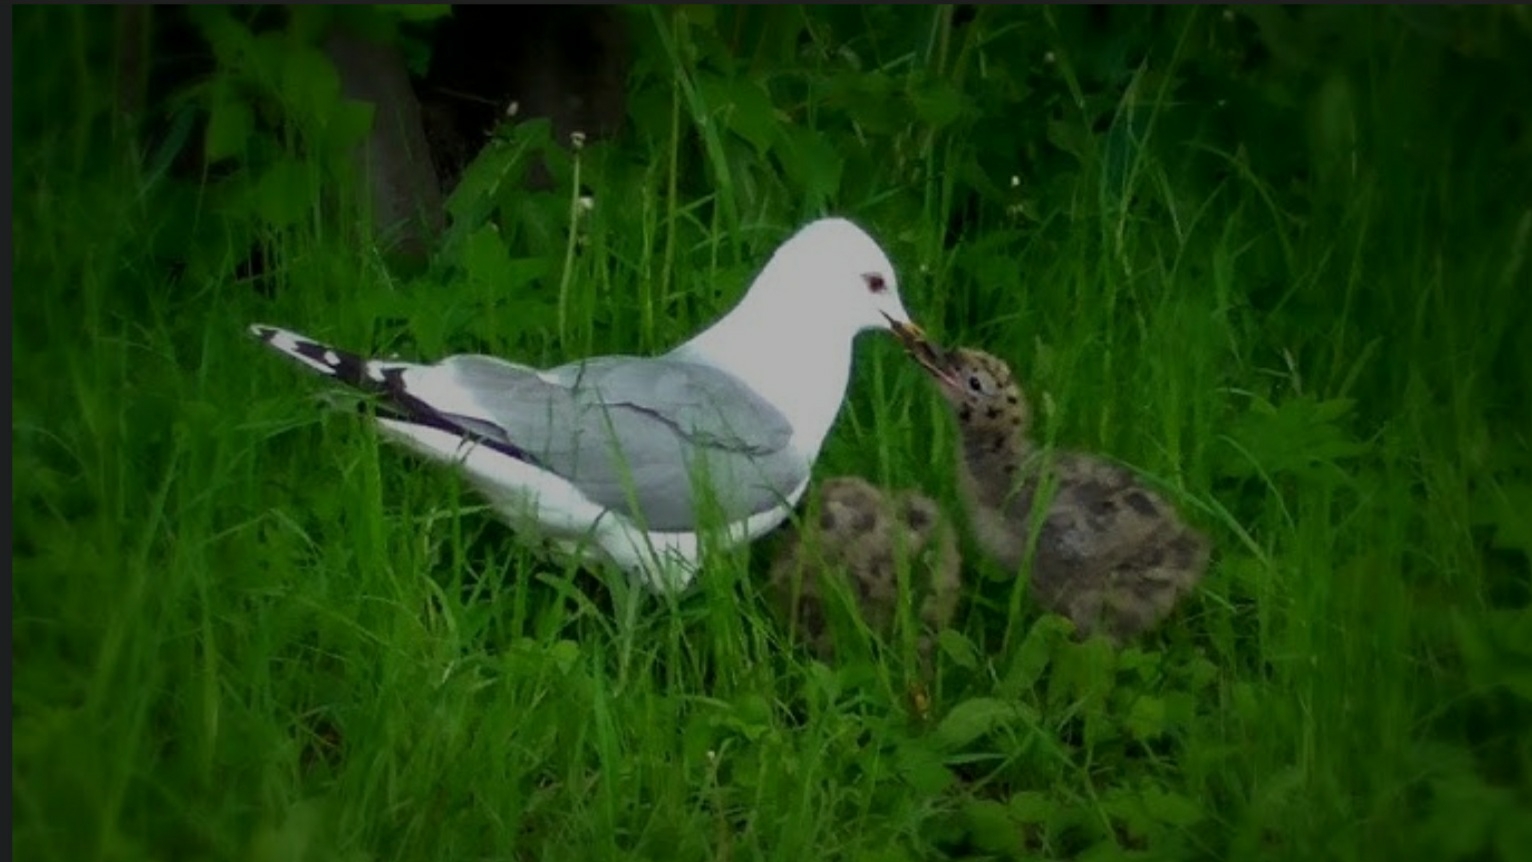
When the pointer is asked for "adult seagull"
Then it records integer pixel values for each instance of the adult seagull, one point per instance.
(635, 457)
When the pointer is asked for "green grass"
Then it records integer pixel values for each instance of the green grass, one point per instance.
(244, 629)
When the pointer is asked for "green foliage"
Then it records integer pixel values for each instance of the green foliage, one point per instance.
(1275, 257)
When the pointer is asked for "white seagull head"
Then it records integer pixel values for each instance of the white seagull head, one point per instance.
(832, 272)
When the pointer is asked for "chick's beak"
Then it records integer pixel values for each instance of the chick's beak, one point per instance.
(910, 336)
(920, 348)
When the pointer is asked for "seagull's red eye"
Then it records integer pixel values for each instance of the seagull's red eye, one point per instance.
(875, 282)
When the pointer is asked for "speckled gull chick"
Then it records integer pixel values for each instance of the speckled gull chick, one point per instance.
(1110, 554)
(635, 458)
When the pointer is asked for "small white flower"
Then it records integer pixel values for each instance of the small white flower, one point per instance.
(513, 108)
(587, 203)
(577, 140)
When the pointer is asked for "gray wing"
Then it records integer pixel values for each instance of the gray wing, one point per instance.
(653, 438)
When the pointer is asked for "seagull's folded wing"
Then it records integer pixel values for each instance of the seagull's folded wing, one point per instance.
(656, 439)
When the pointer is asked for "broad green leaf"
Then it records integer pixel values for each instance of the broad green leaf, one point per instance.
(1504, 506)
(1071, 137)
(1032, 806)
(565, 654)
(1146, 718)
(349, 124)
(991, 827)
(229, 125)
(1172, 809)
(310, 83)
(1032, 657)
(230, 40)
(872, 100)
(937, 104)
(972, 719)
(822, 686)
(302, 828)
(1297, 436)
(753, 711)
(284, 193)
(527, 270)
(1464, 813)
(497, 171)
(743, 107)
(958, 649)
(1201, 673)
(1084, 673)
(1134, 660)
(486, 260)
(1246, 702)
(812, 162)
(923, 769)
(1180, 709)
(1125, 806)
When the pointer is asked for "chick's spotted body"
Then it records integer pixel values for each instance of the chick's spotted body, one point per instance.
(861, 534)
(1110, 553)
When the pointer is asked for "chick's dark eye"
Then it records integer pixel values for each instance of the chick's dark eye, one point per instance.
(875, 282)
(974, 384)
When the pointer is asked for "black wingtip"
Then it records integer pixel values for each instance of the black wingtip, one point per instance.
(342, 365)
(382, 379)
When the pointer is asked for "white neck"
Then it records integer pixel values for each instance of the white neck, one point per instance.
(796, 360)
